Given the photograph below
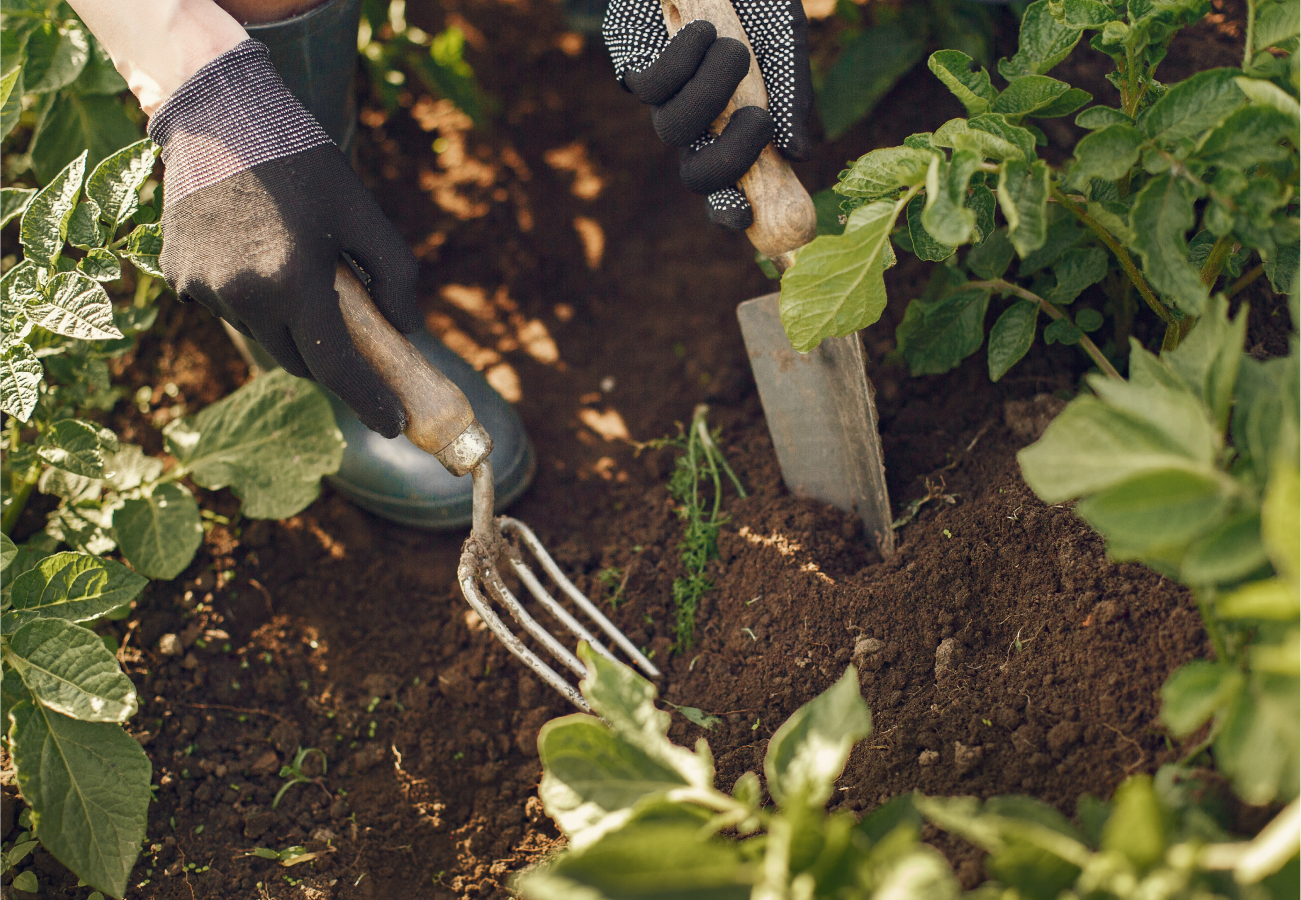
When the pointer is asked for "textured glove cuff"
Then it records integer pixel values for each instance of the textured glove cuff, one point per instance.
(231, 115)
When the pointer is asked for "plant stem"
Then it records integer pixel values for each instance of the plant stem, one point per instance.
(1215, 260)
(1251, 34)
(17, 503)
(1122, 255)
(1206, 606)
(1245, 280)
(998, 284)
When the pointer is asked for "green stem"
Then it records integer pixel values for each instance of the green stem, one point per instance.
(1251, 34)
(998, 284)
(143, 282)
(17, 503)
(713, 450)
(1245, 280)
(1215, 260)
(1206, 606)
(1121, 254)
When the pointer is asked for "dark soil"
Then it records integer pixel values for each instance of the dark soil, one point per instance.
(1000, 652)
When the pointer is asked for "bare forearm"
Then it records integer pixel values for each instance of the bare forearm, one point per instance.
(158, 44)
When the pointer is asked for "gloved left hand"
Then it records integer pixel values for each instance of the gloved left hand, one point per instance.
(690, 78)
(260, 204)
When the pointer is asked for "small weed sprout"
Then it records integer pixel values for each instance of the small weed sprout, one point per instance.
(699, 544)
(614, 580)
(295, 775)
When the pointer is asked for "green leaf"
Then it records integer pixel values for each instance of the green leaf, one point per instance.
(101, 265)
(447, 73)
(269, 442)
(1249, 136)
(159, 533)
(1209, 359)
(1257, 745)
(1082, 13)
(1227, 553)
(991, 257)
(1267, 94)
(1064, 105)
(26, 881)
(946, 217)
(935, 336)
(698, 717)
(1062, 331)
(837, 285)
(960, 134)
(1281, 520)
(81, 528)
(883, 172)
(1108, 153)
(594, 773)
(45, 223)
(76, 587)
(8, 552)
(21, 374)
(55, 57)
(1096, 117)
(1161, 218)
(1148, 424)
(869, 65)
(1029, 93)
(1078, 269)
(128, 468)
(143, 247)
(1192, 106)
(88, 785)
(1044, 43)
(809, 751)
(1088, 320)
(1011, 336)
(1195, 692)
(13, 202)
(631, 863)
(1023, 197)
(1281, 269)
(1137, 825)
(115, 183)
(99, 76)
(77, 446)
(1275, 24)
(95, 123)
(69, 670)
(924, 246)
(77, 307)
(998, 125)
(971, 86)
(1155, 514)
(84, 230)
(12, 107)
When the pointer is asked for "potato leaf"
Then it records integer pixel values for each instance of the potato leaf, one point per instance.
(45, 222)
(269, 442)
(1108, 153)
(115, 183)
(808, 752)
(88, 785)
(837, 285)
(869, 65)
(76, 587)
(883, 172)
(923, 245)
(1077, 270)
(95, 124)
(13, 202)
(55, 57)
(991, 257)
(143, 247)
(1023, 197)
(1161, 217)
(77, 446)
(101, 265)
(75, 306)
(68, 669)
(971, 86)
(1011, 336)
(1044, 43)
(935, 336)
(1155, 514)
(160, 532)
(946, 217)
(21, 374)
(1192, 107)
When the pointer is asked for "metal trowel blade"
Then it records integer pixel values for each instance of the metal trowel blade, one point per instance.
(822, 417)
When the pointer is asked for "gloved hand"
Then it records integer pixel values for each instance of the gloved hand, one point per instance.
(690, 78)
(260, 204)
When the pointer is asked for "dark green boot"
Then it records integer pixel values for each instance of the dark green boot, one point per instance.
(316, 55)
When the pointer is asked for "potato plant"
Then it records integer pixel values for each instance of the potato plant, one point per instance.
(1175, 188)
(65, 695)
(57, 78)
(644, 819)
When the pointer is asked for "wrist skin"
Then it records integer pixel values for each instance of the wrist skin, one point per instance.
(157, 45)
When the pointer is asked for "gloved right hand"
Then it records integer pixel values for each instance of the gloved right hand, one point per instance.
(690, 78)
(260, 204)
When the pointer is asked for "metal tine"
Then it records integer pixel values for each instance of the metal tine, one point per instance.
(467, 573)
(506, 523)
(553, 606)
(498, 589)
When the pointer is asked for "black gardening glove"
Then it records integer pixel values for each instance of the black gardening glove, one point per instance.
(260, 205)
(690, 78)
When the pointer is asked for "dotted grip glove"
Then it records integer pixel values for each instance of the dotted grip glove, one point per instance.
(690, 78)
(260, 206)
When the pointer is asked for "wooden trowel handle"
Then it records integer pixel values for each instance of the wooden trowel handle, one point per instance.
(437, 411)
(784, 217)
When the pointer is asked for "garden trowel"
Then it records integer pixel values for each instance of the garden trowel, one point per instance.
(819, 405)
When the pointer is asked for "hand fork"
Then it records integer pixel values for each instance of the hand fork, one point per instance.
(440, 421)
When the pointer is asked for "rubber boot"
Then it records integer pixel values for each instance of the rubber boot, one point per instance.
(316, 55)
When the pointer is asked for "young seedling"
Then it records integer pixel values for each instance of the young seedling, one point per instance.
(295, 775)
(614, 580)
(702, 459)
